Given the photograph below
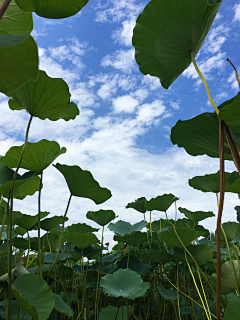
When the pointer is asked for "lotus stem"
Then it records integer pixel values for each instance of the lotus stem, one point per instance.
(4, 7)
(39, 234)
(236, 73)
(205, 84)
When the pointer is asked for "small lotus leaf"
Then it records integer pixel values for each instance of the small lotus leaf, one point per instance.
(82, 228)
(110, 313)
(134, 264)
(196, 216)
(122, 227)
(211, 182)
(53, 9)
(101, 217)
(34, 296)
(186, 235)
(82, 184)
(37, 156)
(164, 223)
(82, 241)
(133, 239)
(167, 33)
(124, 283)
(138, 205)
(61, 257)
(19, 61)
(160, 203)
(167, 294)
(50, 242)
(44, 98)
(227, 278)
(61, 306)
(28, 222)
(50, 223)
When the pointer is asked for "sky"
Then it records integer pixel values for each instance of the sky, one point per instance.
(122, 135)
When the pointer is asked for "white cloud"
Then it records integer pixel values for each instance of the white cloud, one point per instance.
(236, 9)
(108, 89)
(215, 39)
(83, 96)
(141, 94)
(232, 79)
(121, 59)
(221, 95)
(124, 34)
(175, 105)
(125, 104)
(149, 111)
(152, 82)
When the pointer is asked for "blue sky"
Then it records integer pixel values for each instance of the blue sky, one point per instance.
(122, 133)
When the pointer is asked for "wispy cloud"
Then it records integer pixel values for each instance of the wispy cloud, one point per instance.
(236, 9)
(121, 60)
(124, 34)
(125, 104)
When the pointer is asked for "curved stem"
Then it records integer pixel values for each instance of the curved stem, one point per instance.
(205, 84)
(236, 73)
(60, 240)
(220, 209)
(39, 233)
(10, 221)
(4, 7)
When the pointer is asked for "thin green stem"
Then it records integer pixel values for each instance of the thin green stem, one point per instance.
(205, 84)
(10, 220)
(39, 233)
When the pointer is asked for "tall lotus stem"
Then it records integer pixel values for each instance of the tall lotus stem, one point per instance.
(39, 235)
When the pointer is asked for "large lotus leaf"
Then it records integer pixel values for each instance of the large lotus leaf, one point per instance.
(160, 203)
(167, 33)
(61, 306)
(230, 113)
(9, 25)
(50, 223)
(186, 235)
(227, 277)
(110, 313)
(201, 254)
(196, 216)
(124, 283)
(82, 184)
(44, 98)
(61, 257)
(19, 230)
(49, 240)
(164, 223)
(211, 182)
(122, 227)
(15, 311)
(231, 229)
(82, 241)
(27, 221)
(133, 239)
(34, 296)
(53, 9)
(134, 264)
(138, 205)
(82, 228)
(101, 217)
(6, 174)
(20, 243)
(19, 61)
(37, 156)
(22, 188)
(232, 310)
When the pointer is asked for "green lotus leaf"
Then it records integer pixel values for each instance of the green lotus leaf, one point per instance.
(230, 113)
(134, 264)
(186, 235)
(61, 257)
(138, 205)
(19, 230)
(50, 223)
(124, 283)
(16, 215)
(121, 228)
(37, 156)
(164, 223)
(232, 310)
(166, 34)
(196, 216)
(201, 254)
(61, 306)
(23, 188)
(160, 203)
(50, 242)
(110, 258)
(82, 241)
(110, 313)
(53, 9)
(28, 222)
(6, 174)
(162, 256)
(101, 217)
(90, 252)
(211, 182)
(82, 184)
(44, 98)
(34, 296)
(82, 228)
(9, 25)
(19, 61)
(227, 278)
(205, 232)
(237, 208)
(20, 243)
(18, 271)
(133, 239)
(231, 229)
(167, 294)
